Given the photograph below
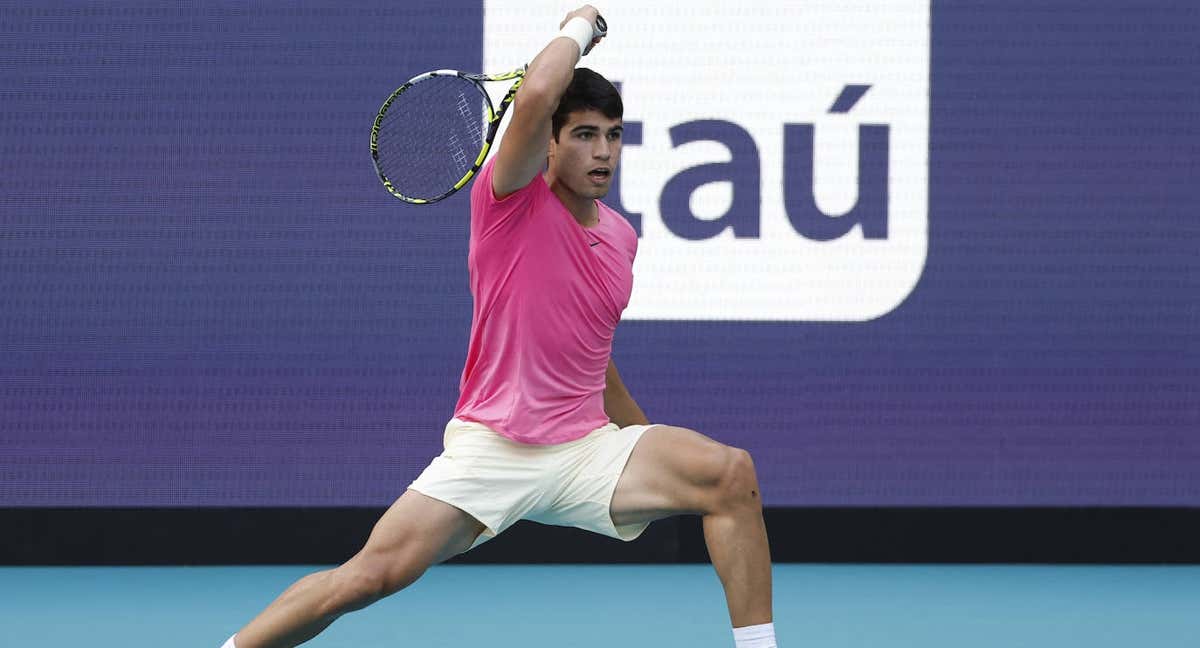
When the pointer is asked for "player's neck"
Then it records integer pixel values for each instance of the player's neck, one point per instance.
(581, 207)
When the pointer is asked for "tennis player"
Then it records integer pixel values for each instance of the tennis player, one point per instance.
(544, 428)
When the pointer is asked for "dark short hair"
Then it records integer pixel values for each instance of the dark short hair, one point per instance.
(587, 91)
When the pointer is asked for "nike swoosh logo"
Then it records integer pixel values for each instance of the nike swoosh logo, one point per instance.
(594, 244)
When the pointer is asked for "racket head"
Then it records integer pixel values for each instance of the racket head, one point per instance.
(433, 133)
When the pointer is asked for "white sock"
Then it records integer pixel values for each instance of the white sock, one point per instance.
(229, 644)
(756, 636)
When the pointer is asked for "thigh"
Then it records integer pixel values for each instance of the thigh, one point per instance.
(672, 471)
(583, 477)
(491, 478)
(420, 530)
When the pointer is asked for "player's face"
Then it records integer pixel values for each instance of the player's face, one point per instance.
(584, 156)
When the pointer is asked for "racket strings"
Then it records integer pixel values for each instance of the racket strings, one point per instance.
(430, 136)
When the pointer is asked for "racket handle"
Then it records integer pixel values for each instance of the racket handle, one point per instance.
(600, 28)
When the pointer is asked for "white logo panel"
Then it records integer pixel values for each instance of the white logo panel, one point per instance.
(782, 172)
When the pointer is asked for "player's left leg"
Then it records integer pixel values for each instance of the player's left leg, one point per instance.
(675, 471)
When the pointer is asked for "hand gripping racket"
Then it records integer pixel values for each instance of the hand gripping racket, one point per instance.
(434, 132)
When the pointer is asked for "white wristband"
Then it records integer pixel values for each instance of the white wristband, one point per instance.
(579, 30)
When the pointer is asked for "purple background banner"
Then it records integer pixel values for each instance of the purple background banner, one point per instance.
(207, 299)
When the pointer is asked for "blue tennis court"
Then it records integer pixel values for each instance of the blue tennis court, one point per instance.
(831, 606)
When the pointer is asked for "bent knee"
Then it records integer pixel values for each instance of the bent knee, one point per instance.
(738, 485)
(367, 578)
(743, 476)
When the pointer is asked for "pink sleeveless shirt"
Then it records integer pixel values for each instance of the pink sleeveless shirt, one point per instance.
(548, 296)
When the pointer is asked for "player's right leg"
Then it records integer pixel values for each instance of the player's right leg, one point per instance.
(416, 532)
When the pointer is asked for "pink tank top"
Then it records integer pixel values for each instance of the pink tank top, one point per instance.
(548, 296)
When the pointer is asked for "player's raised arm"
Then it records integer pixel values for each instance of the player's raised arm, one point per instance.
(522, 154)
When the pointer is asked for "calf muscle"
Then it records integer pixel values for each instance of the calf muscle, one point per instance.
(416, 532)
(676, 471)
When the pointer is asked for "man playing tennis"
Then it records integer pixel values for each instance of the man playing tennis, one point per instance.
(544, 428)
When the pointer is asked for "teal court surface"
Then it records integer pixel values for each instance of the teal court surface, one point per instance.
(594, 606)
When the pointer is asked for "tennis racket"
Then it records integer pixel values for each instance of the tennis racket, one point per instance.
(433, 133)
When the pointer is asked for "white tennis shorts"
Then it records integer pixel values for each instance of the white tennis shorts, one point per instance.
(500, 481)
